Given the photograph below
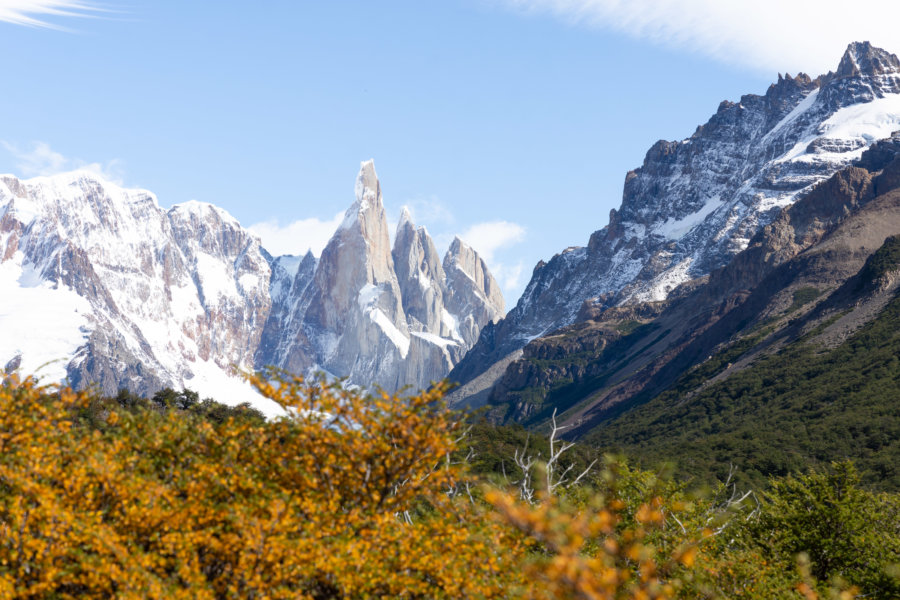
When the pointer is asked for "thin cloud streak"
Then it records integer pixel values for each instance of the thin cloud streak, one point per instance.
(430, 210)
(510, 279)
(28, 12)
(769, 35)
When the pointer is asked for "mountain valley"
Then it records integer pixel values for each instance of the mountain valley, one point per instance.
(779, 358)
(769, 233)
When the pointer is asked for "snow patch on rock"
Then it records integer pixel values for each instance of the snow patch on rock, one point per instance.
(42, 325)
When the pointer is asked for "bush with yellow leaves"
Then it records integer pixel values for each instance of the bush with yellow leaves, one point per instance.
(346, 498)
(625, 542)
(359, 496)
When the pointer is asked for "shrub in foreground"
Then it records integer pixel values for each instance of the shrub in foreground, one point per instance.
(354, 496)
(347, 498)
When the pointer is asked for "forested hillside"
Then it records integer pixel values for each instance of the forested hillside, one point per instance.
(802, 406)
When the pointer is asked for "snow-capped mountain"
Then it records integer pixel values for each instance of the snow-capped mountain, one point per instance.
(113, 291)
(695, 203)
(394, 317)
(131, 295)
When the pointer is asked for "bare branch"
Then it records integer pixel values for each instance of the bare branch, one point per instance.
(583, 473)
(554, 478)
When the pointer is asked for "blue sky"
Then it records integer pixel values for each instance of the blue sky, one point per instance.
(509, 122)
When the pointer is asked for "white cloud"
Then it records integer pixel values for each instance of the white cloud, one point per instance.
(40, 159)
(487, 238)
(490, 239)
(770, 35)
(297, 237)
(29, 12)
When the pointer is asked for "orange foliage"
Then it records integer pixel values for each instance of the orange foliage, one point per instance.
(346, 498)
(591, 553)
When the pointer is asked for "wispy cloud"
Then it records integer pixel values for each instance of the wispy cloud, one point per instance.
(33, 13)
(38, 158)
(770, 35)
(430, 210)
(297, 237)
(509, 276)
(489, 239)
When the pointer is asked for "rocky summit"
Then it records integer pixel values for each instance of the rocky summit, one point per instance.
(105, 288)
(695, 203)
(390, 316)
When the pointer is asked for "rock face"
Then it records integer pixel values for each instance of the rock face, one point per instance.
(808, 275)
(470, 291)
(394, 317)
(695, 203)
(124, 294)
(355, 315)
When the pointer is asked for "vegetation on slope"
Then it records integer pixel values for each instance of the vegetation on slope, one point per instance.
(802, 406)
(561, 392)
(365, 497)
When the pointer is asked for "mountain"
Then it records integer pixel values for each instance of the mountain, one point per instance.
(695, 203)
(390, 316)
(783, 358)
(125, 293)
(118, 292)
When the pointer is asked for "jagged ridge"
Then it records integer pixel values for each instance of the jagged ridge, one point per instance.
(391, 316)
(695, 203)
(130, 295)
(806, 275)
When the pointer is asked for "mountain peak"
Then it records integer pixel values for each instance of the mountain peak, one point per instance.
(368, 196)
(462, 260)
(862, 58)
(695, 203)
(405, 220)
(367, 187)
(199, 209)
(75, 176)
(80, 179)
(457, 246)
